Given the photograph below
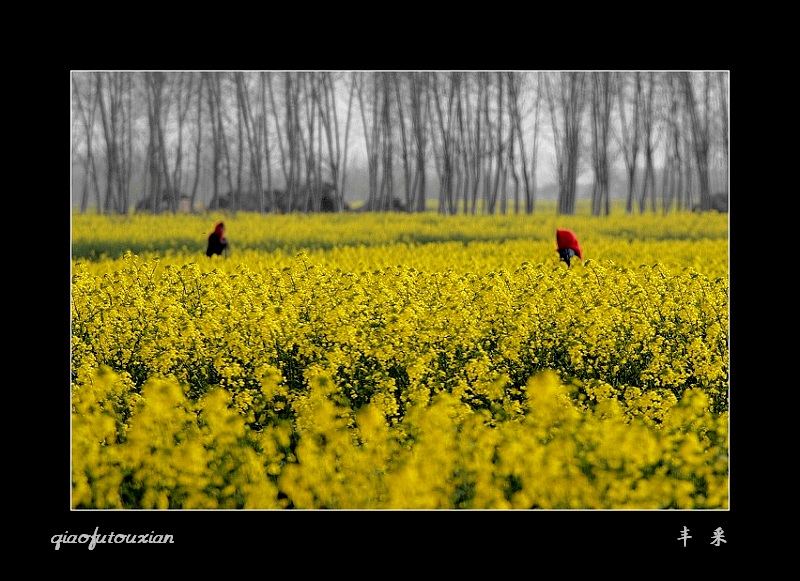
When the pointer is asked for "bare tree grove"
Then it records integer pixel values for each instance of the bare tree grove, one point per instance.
(472, 141)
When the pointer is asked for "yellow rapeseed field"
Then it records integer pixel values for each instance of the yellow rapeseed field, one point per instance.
(371, 361)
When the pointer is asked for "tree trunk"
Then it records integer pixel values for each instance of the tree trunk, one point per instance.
(307, 88)
(722, 80)
(156, 83)
(488, 169)
(330, 123)
(464, 113)
(112, 116)
(371, 130)
(571, 93)
(199, 142)
(531, 202)
(88, 122)
(387, 183)
(477, 142)
(404, 142)
(420, 106)
(629, 133)
(514, 90)
(247, 119)
(603, 89)
(499, 148)
(293, 136)
(220, 142)
(648, 122)
(700, 135)
(345, 160)
(184, 98)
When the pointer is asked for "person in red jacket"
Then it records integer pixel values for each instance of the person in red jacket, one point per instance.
(217, 243)
(568, 246)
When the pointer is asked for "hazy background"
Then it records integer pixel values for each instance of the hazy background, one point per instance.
(456, 141)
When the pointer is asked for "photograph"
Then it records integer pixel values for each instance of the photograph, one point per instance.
(400, 303)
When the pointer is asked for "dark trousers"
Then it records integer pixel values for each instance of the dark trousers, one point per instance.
(566, 254)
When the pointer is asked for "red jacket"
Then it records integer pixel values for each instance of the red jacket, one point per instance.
(566, 239)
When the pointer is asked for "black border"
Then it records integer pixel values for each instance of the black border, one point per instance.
(351, 538)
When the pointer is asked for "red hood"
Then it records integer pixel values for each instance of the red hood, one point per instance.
(567, 239)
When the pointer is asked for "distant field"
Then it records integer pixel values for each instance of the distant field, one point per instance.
(686, 239)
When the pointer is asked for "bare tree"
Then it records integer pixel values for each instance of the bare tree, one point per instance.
(199, 140)
(166, 135)
(500, 171)
(159, 170)
(293, 134)
(518, 135)
(114, 100)
(264, 129)
(465, 142)
(688, 169)
(183, 100)
(330, 123)
(253, 134)
(219, 140)
(405, 141)
(283, 147)
(700, 120)
(722, 82)
(568, 98)
(306, 89)
(672, 189)
(487, 143)
(126, 165)
(479, 138)
(350, 95)
(222, 107)
(240, 190)
(153, 176)
(289, 135)
(648, 139)
(420, 106)
(387, 183)
(469, 139)
(531, 201)
(629, 130)
(602, 100)
(371, 131)
(444, 146)
(84, 91)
